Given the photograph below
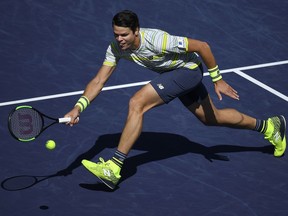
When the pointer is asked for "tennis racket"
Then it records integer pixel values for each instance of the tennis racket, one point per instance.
(25, 123)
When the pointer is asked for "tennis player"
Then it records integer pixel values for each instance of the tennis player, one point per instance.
(178, 62)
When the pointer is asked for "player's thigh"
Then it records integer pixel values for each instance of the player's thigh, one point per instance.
(205, 111)
(200, 104)
(146, 98)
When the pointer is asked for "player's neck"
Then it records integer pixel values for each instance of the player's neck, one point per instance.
(137, 43)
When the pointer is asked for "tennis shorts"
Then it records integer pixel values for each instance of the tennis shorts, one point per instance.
(183, 83)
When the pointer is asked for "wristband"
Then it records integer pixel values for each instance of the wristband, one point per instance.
(83, 102)
(215, 74)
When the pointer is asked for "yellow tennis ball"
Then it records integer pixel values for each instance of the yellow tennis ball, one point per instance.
(50, 144)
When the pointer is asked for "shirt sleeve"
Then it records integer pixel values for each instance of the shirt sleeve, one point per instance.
(111, 58)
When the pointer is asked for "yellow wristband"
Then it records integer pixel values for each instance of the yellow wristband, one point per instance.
(83, 102)
(215, 74)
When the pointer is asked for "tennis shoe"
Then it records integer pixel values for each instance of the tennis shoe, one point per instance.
(275, 133)
(108, 172)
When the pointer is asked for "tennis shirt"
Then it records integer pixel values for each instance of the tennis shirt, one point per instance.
(158, 51)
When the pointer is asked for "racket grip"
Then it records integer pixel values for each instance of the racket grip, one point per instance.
(64, 120)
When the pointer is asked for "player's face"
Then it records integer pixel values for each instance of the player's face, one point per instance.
(126, 38)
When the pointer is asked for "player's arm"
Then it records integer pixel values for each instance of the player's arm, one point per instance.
(91, 91)
(94, 87)
(204, 50)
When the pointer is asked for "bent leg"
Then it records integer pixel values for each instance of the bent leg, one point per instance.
(109, 172)
(162, 89)
(145, 99)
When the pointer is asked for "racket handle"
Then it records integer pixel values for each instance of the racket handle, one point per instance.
(64, 120)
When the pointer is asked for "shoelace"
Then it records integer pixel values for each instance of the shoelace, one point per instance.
(102, 162)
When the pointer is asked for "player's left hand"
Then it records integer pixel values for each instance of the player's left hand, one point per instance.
(221, 87)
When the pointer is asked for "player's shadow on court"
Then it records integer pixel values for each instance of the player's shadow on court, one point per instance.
(159, 146)
(152, 147)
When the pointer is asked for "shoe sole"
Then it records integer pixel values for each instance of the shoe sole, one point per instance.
(85, 163)
(107, 183)
(282, 132)
(282, 129)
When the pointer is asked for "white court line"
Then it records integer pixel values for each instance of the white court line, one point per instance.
(70, 94)
(262, 85)
(144, 82)
(253, 67)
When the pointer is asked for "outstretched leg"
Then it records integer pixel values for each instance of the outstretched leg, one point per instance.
(209, 115)
(274, 128)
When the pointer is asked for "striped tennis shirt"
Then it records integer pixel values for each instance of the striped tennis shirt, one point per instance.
(158, 51)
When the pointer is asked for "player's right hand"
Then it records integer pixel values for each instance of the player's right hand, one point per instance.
(74, 115)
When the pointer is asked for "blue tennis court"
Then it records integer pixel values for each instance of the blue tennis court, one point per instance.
(49, 50)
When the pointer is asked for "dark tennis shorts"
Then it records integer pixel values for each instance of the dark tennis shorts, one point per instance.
(182, 83)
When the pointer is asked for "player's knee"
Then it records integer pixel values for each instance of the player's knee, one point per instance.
(136, 105)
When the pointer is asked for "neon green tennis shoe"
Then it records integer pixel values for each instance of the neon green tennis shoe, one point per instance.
(108, 172)
(275, 133)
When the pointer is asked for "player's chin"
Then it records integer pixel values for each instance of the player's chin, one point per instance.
(124, 46)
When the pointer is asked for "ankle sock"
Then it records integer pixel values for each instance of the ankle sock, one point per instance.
(119, 158)
(261, 126)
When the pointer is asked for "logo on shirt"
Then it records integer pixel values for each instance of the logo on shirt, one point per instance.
(181, 43)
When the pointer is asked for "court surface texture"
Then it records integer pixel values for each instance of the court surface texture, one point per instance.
(49, 50)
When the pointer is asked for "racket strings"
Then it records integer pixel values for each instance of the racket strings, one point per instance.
(26, 123)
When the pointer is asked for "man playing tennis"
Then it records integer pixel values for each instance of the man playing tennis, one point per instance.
(177, 61)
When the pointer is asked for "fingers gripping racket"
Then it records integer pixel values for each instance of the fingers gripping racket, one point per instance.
(25, 123)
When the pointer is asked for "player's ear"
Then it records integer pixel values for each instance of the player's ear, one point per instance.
(137, 31)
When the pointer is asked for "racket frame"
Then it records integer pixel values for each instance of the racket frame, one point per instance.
(43, 127)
